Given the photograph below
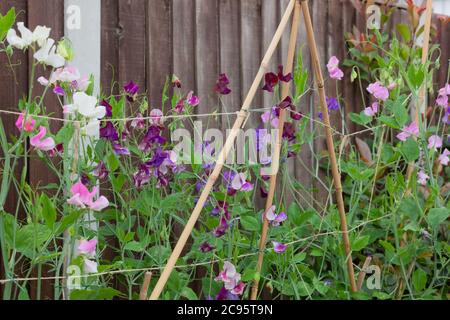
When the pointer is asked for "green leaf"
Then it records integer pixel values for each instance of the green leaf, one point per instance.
(48, 211)
(67, 221)
(134, 246)
(360, 119)
(404, 31)
(249, 275)
(250, 223)
(437, 216)
(299, 257)
(99, 294)
(419, 280)
(401, 114)
(6, 23)
(410, 150)
(389, 121)
(360, 243)
(189, 293)
(113, 162)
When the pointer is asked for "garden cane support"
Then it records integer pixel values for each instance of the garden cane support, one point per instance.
(330, 144)
(145, 285)
(276, 158)
(243, 114)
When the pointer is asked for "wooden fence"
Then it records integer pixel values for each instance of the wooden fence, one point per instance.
(146, 41)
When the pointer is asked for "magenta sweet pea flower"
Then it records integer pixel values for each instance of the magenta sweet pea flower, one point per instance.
(27, 125)
(58, 91)
(444, 157)
(222, 85)
(81, 197)
(411, 130)
(378, 91)
(279, 247)
(100, 171)
(231, 279)
(434, 142)
(120, 150)
(192, 100)
(333, 68)
(87, 247)
(131, 89)
(38, 142)
(422, 178)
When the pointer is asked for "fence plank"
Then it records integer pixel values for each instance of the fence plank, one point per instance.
(110, 46)
(159, 49)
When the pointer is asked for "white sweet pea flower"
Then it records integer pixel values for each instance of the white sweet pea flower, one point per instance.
(22, 42)
(48, 56)
(41, 34)
(92, 129)
(87, 106)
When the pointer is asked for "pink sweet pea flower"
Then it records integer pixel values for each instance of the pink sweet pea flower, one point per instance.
(81, 197)
(46, 144)
(192, 100)
(43, 81)
(434, 142)
(87, 247)
(231, 279)
(28, 126)
(411, 130)
(279, 247)
(444, 157)
(442, 99)
(378, 91)
(333, 69)
(90, 266)
(422, 178)
(372, 110)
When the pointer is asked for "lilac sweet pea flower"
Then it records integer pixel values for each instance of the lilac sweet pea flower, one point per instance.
(434, 142)
(138, 122)
(444, 157)
(87, 247)
(411, 130)
(109, 132)
(120, 150)
(100, 171)
(333, 69)
(90, 266)
(422, 178)
(442, 99)
(142, 176)
(222, 85)
(38, 142)
(372, 110)
(58, 91)
(378, 91)
(240, 183)
(156, 117)
(279, 247)
(275, 219)
(231, 279)
(153, 136)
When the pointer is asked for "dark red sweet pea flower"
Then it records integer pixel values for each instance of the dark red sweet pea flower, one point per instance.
(222, 85)
(286, 103)
(100, 171)
(222, 228)
(271, 80)
(283, 77)
(294, 114)
(176, 83)
(289, 131)
(206, 247)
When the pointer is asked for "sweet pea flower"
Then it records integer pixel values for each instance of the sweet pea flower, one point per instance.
(279, 247)
(240, 183)
(275, 219)
(131, 89)
(444, 157)
(43, 81)
(66, 74)
(22, 42)
(333, 68)
(372, 110)
(100, 171)
(87, 106)
(411, 130)
(231, 279)
(422, 178)
(434, 142)
(222, 85)
(442, 99)
(378, 91)
(90, 266)
(81, 197)
(192, 100)
(27, 125)
(206, 247)
(272, 79)
(222, 228)
(58, 91)
(38, 142)
(156, 117)
(48, 56)
(87, 247)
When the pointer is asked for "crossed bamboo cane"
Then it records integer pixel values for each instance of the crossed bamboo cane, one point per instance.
(240, 121)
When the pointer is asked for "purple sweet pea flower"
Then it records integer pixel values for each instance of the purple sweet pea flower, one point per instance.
(274, 218)
(131, 89)
(58, 91)
(100, 171)
(332, 104)
(108, 132)
(206, 247)
(120, 150)
(222, 85)
(142, 176)
(152, 136)
(279, 247)
(222, 228)
(108, 108)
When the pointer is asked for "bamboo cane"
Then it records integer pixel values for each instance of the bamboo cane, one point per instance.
(362, 273)
(276, 157)
(145, 285)
(222, 157)
(330, 144)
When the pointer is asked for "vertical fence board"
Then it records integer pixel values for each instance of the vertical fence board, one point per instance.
(207, 57)
(132, 42)
(159, 53)
(110, 46)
